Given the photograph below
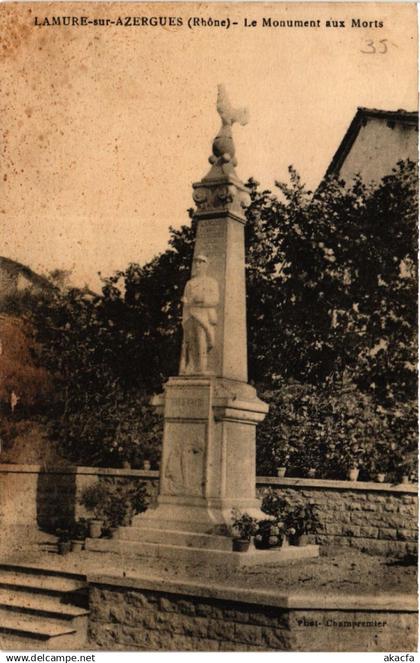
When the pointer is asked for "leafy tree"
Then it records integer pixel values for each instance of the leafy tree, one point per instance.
(109, 352)
(339, 282)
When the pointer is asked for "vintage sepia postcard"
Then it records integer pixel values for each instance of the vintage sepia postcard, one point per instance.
(208, 327)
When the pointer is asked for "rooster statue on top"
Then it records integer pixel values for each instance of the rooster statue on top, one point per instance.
(223, 157)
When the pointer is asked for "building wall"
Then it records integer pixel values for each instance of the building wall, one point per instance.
(377, 149)
(376, 518)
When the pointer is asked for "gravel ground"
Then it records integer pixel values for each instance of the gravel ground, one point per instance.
(338, 570)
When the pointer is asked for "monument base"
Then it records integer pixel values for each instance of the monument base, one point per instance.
(208, 460)
(209, 516)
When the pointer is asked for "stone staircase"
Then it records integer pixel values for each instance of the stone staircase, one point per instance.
(42, 609)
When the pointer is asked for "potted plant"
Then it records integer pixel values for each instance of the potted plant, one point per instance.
(353, 458)
(375, 464)
(79, 533)
(95, 528)
(311, 459)
(95, 499)
(406, 461)
(300, 522)
(353, 473)
(124, 499)
(281, 454)
(148, 444)
(243, 527)
(64, 541)
(269, 534)
(147, 465)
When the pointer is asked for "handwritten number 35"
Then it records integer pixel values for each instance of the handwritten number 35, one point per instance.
(380, 47)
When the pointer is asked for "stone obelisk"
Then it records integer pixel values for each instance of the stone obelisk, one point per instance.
(210, 411)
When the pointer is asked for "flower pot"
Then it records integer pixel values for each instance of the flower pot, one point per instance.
(295, 539)
(77, 546)
(281, 471)
(126, 520)
(126, 465)
(95, 528)
(240, 545)
(64, 547)
(380, 477)
(312, 472)
(405, 479)
(353, 474)
(267, 542)
(146, 465)
(298, 540)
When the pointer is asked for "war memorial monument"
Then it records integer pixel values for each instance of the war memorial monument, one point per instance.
(210, 411)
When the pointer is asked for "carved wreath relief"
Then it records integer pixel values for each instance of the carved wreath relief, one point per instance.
(184, 469)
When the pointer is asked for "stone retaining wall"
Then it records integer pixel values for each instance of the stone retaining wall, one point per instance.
(374, 517)
(141, 614)
(32, 494)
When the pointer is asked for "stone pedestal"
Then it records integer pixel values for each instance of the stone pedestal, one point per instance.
(207, 468)
(208, 461)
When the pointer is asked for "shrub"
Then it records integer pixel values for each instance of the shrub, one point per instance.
(63, 534)
(95, 499)
(303, 520)
(243, 526)
(269, 533)
(292, 517)
(115, 501)
(80, 530)
(335, 427)
(275, 505)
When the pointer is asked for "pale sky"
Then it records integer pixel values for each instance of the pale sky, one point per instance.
(105, 128)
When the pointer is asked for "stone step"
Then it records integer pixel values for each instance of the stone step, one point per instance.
(32, 626)
(18, 642)
(149, 520)
(186, 555)
(42, 608)
(41, 571)
(50, 584)
(50, 607)
(174, 537)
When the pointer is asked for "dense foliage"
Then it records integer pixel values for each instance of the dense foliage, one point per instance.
(340, 286)
(331, 304)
